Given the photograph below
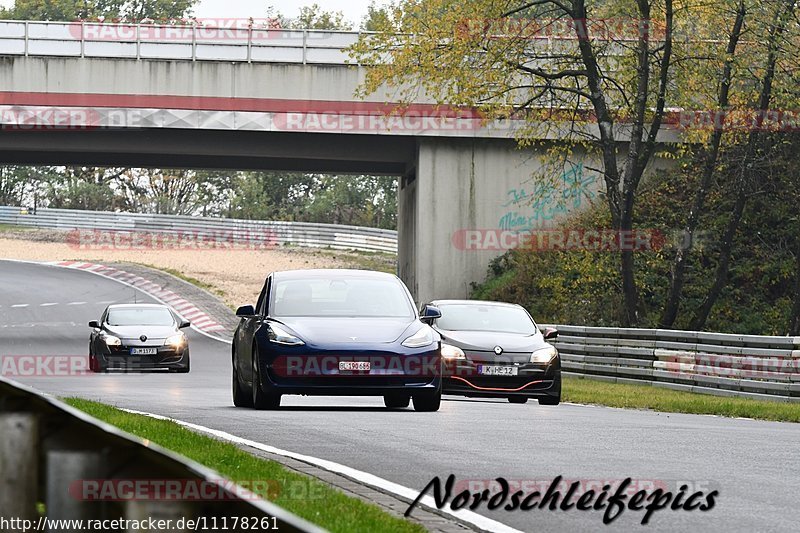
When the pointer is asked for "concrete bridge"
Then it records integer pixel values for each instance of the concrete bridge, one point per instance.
(250, 98)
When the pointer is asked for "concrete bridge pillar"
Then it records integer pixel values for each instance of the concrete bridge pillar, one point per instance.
(461, 198)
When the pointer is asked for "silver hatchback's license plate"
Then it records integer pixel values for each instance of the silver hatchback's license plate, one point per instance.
(144, 351)
(498, 370)
(355, 365)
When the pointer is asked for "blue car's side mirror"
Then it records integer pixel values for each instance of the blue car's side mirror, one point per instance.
(430, 313)
(246, 310)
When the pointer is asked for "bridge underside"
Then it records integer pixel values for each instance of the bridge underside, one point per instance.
(207, 149)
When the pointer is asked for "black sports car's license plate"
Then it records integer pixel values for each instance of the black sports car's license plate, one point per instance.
(144, 351)
(498, 370)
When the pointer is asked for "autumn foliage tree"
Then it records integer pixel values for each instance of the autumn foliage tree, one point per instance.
(609, 85)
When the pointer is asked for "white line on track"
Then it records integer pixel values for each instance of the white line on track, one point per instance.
(482, 522)
(19, 306)
(77, 303)
(48, 304)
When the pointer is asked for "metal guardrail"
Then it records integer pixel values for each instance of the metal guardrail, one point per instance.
(49, 451)
(176, 231)
(722, 364)
(197, 42)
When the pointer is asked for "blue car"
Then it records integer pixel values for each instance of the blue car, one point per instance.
(336, 332)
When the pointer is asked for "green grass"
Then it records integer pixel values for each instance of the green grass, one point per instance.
(308, 498)
(4, 228)
(658, 399)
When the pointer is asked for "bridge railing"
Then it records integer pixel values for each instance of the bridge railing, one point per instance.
(178, 42)
(57, 463)
(722, 364)
(92, 229)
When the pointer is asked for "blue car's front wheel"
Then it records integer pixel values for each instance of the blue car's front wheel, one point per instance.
(426, 402)
(261, 398)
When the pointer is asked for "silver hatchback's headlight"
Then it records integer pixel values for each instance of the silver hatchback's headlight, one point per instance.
(543, 355)
(423, 337)
(176, 341)
(111, 340)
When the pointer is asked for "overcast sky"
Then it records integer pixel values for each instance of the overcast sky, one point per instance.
(353, 10)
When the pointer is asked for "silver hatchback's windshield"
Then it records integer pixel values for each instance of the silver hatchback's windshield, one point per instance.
(341, 297)
(151, 316)
(476, 317)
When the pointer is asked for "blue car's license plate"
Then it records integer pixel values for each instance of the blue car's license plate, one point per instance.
(144, 351)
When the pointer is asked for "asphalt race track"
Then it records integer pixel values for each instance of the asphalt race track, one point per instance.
(754, 465)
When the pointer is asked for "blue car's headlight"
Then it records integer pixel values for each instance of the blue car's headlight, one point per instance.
(421, 338)
(278, 335)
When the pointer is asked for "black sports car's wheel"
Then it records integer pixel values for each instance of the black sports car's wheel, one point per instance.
(397, 401)
(517, 399)
(428, 402)
(261, 399)
(240, 396)
(555, 399)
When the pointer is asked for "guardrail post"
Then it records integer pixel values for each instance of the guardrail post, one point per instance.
(27, 30)
(69, 474)
(194, 42)
(138, 41)
(305, 46)
(250, 43)
(19, 462)
(83, 40)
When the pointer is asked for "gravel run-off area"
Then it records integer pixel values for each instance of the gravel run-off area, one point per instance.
(235, 275)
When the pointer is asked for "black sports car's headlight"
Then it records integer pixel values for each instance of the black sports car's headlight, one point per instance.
(543, 355)
(451, 352)
(423, 337)
(278, 335)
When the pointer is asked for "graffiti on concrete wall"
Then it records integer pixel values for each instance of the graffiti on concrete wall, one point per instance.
(531, 208)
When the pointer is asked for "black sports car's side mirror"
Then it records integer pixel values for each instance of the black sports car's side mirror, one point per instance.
(550, 334)
(246, 310)
(94, 324)
(430, 313)
(184, 324)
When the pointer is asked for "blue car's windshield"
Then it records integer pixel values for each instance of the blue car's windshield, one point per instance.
(477, 317)
(340, 297)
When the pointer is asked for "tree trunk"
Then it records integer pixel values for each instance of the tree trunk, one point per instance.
(670, 312)
(744, 176)
(721, 275)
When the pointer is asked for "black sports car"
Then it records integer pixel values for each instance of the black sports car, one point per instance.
(494, 349)
(138, 337)
(336, 332)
